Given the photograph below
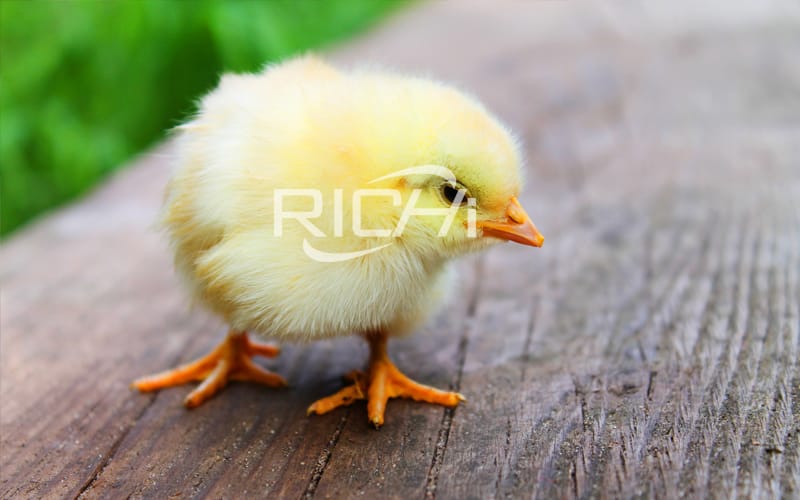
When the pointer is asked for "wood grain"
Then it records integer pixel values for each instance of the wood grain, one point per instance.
(650, 349)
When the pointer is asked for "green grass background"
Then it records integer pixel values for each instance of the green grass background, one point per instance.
(86, 84)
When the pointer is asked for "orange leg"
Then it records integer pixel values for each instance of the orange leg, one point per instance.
(382, 381)
(231, 360)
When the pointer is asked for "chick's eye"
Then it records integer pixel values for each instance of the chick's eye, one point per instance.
(450, 193)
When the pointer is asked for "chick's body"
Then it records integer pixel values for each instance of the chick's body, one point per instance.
(305, 125)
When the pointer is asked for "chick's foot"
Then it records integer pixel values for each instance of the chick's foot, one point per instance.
(381, 382)
(231, 360)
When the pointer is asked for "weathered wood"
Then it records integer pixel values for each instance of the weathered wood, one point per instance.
(650, 349)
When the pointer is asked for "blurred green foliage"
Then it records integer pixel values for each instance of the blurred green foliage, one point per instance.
(86, 84)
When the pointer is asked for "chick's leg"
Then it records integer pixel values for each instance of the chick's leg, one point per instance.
(381, 382)
(231, 360)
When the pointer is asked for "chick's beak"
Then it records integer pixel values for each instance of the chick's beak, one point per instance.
(517, 226)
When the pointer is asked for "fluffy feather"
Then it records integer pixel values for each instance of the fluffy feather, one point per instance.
(305, 124)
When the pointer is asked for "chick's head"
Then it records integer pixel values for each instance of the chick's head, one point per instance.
(448, 158)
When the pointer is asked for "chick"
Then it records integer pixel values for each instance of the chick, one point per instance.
(311, 203)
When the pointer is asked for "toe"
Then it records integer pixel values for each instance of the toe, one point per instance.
(215, 381)
(259, 349)
(344, 397)
(248, 371)
(190, 372)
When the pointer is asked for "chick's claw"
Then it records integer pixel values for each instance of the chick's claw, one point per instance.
(388, 382)
(384, 381)
(231, 360)
(344, 397)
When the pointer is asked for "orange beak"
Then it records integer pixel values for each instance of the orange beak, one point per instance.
(517, 226)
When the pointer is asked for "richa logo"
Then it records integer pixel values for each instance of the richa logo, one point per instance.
(409, 210)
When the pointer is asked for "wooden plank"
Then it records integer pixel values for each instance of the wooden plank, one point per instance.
(649, 349)
(65, 358)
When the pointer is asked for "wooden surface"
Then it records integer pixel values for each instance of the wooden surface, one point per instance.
(649, 349)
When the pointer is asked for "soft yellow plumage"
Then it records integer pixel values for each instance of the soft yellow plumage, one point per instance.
(306, 125)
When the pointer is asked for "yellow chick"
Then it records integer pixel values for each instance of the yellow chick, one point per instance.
(310, 203)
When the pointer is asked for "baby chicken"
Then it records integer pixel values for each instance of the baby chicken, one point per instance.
(311, 203)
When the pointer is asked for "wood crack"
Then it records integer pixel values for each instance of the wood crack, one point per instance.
(325, 457)
(112, 450)
(98, 470)
(447, 418)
